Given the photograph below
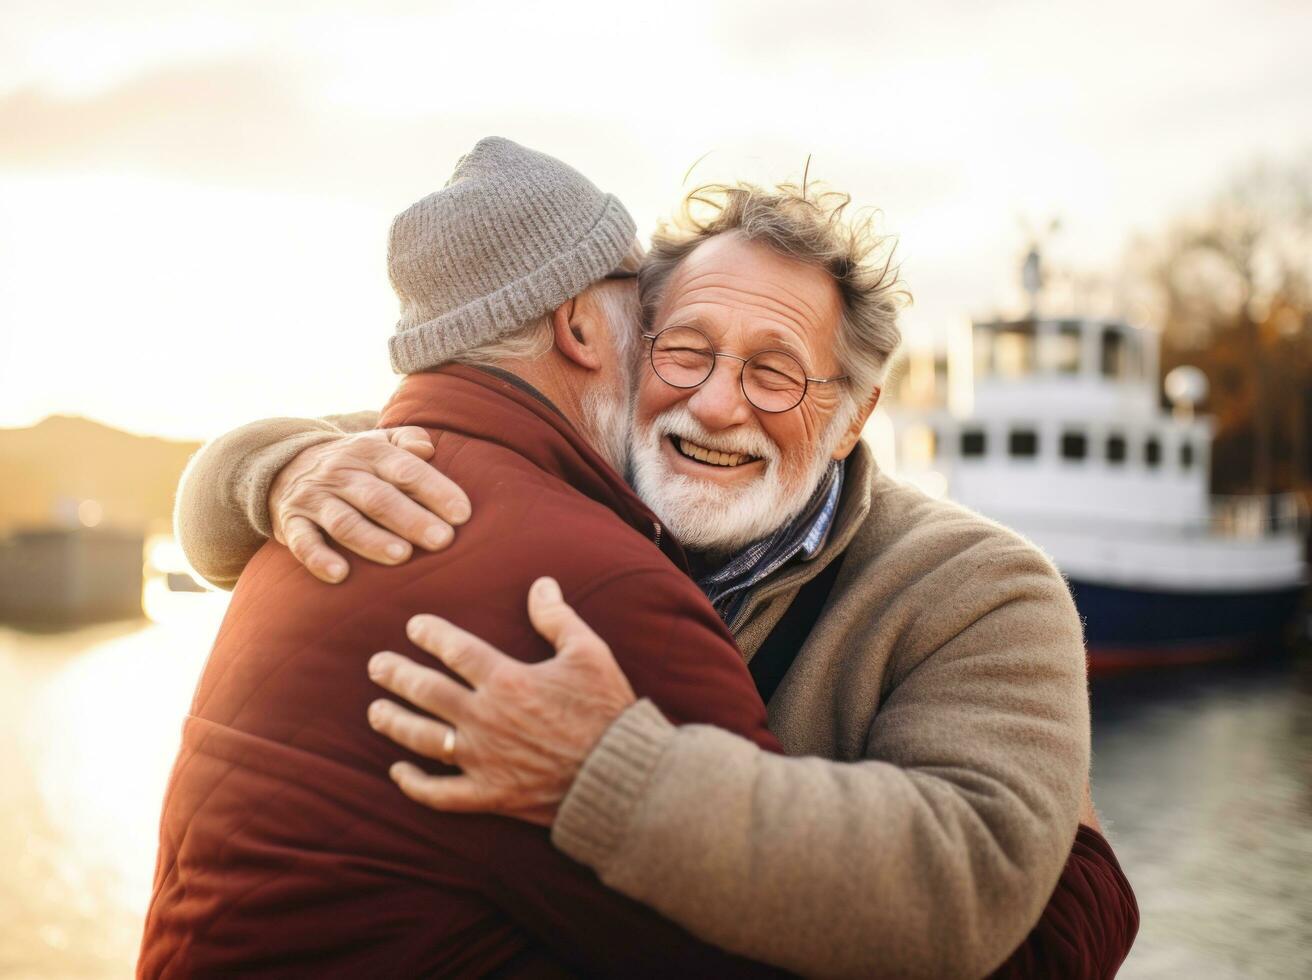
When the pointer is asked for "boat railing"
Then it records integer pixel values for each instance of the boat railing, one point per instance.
(1260, 515)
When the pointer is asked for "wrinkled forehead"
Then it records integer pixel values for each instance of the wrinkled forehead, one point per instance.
(745, 295)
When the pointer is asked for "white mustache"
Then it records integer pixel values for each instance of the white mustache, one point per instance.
(679, 421)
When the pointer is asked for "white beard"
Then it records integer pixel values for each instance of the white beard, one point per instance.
(706, 516)
(608, 409)
(610, 417)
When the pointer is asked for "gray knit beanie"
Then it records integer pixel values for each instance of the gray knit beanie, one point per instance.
(512, 235)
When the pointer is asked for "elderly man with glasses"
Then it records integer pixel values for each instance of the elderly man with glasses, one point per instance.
(922, 667)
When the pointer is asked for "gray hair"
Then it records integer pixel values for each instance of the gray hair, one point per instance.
(809, 225)
(528, 343)
(533, 339)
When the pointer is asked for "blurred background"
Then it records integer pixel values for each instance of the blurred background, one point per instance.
(1104, 212)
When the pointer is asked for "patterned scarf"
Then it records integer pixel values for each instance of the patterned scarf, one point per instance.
(802, 538)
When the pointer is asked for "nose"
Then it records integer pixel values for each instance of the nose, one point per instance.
(719, 403)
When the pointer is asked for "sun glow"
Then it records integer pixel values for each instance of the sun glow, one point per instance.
(192, 309)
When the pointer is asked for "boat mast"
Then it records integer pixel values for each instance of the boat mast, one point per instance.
(1032, 272)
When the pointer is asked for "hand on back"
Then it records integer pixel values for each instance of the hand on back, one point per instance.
(373, 494)
(519, 732)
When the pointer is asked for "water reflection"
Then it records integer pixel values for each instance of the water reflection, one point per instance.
(1203, 776)
(1205, 780)
(92, 720)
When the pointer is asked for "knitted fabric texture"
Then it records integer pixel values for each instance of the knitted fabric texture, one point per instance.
(512, 235)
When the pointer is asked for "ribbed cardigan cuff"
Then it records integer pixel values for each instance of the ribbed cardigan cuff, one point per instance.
(261, 468)
(599, 807)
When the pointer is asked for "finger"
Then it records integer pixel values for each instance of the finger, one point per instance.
(416, 732)
(425, 484)
(355, 532)
(556, 621)
(412, 439)
(455, 794)
(422, 686)
(387, 506)
(461, 651)
(308, 547)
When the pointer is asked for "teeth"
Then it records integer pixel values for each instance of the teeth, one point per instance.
(712, 456)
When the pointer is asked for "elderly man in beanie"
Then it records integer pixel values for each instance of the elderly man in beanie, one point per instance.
(284, 847)
(940, 664)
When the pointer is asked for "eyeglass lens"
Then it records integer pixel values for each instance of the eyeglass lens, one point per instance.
(772, 380)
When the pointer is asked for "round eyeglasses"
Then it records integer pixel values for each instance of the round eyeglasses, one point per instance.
(771, 380)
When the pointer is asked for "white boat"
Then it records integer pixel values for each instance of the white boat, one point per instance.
(1063, 437)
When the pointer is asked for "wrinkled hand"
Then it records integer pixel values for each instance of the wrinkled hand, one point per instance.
(522, 731)
(372, 493)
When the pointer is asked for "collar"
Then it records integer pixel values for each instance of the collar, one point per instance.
(801, 538)
(522, 385)
(862, 483)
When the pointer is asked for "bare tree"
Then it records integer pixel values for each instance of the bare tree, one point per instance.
(1231, 287)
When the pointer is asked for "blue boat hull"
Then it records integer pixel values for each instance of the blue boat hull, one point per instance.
(1127, 628)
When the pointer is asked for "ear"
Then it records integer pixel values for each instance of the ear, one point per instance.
(579, 334)
(853, 435)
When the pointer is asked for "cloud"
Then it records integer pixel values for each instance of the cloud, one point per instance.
(253, 123)
(187, 119)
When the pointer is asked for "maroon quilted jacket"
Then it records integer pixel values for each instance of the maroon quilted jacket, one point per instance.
(1089, 923)
(286, 850)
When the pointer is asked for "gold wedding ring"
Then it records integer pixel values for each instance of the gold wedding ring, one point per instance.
(449, 746)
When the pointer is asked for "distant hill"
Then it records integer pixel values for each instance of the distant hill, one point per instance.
(47, 470)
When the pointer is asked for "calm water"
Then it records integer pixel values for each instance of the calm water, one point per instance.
(1204, 778)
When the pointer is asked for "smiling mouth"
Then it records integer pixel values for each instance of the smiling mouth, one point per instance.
(710, 457)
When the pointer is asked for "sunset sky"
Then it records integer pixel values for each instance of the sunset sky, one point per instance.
(194, 198)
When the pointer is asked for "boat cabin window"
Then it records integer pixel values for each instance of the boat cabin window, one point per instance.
(973, 443)
(1186, 455)
(1115, 362)
(1023, 443)
(1152, 452)
(1116, 449)
(1014, 350)
(1074, 445)
(1064, 349)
